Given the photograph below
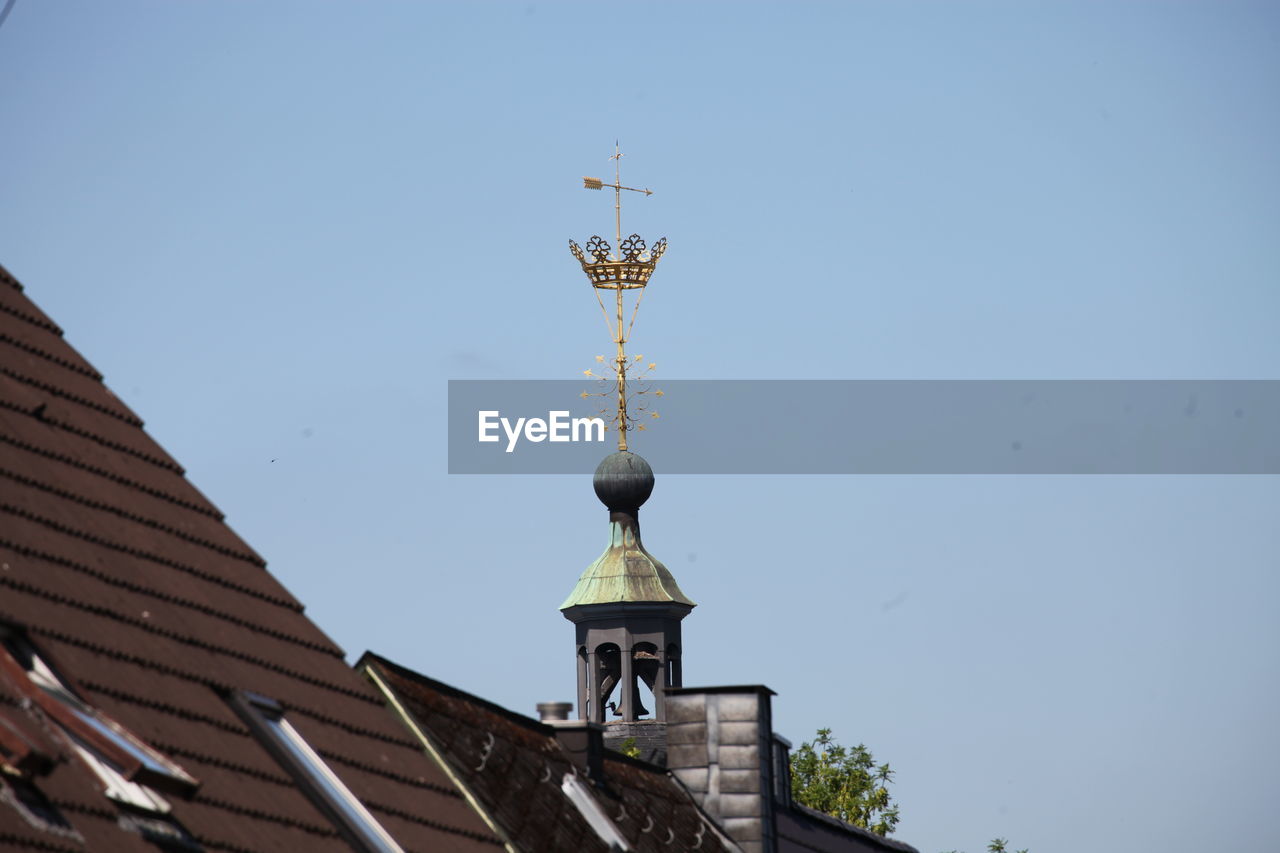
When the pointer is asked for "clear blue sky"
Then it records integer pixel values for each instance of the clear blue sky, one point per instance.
(279, 228)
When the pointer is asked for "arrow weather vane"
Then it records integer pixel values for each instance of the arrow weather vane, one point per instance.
(627, 268)
(597, 184)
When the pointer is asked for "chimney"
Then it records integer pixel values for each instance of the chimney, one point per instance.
(721, 746)
(583, 741)
(549, 711)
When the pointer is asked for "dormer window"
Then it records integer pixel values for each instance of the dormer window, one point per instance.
(265, 718)
(131, 772)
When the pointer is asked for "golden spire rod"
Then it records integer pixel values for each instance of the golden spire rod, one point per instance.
(627, 267)
(597, 184)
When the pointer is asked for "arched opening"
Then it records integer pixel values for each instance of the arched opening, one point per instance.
(609, 672)
(647, 666)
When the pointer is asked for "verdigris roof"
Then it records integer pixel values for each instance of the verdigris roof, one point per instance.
(625, 572)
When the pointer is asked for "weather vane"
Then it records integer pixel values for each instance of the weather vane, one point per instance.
(626, 268)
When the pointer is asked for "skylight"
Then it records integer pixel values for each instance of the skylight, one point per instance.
(130, 771)
(594, 815)
(266, 719)
(44, 678)
(116, 786)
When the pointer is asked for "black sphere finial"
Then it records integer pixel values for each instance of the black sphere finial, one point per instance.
(623, 481)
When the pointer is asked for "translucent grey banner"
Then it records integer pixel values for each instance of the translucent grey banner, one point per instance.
(877, 427)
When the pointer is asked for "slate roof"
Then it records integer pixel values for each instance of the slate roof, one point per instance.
(125, 575)
(515, 768)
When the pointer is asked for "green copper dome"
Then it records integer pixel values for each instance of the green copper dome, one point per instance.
(625, 572)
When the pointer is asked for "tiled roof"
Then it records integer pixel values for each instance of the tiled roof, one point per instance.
(515, 769)
(125, 576)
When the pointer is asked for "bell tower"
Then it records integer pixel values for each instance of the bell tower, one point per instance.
(626, 607)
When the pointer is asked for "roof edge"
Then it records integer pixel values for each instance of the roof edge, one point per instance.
(835, 823)
(370, 660)
(368, 668)
(723, 688)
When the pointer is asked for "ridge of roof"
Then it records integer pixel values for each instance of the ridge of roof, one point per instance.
(372, 658)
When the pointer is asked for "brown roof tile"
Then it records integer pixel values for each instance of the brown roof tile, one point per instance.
(36, 341)
(77, 564)
(137, 507)
(23, 429)
(14, 303)
(124, 576)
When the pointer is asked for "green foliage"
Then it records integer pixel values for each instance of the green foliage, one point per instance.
(629, 749)
(844, 783)
(998, 845)
(849, 785)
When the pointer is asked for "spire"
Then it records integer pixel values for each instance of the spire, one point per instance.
(626, 607)
(626, 268)
(625, 572)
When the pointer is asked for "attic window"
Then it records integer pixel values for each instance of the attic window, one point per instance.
(130, 771)
(265, 717)
(590, 810)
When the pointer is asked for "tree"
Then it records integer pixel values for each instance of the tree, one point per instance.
(998, 845)
(849, 785)
(844, 783)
